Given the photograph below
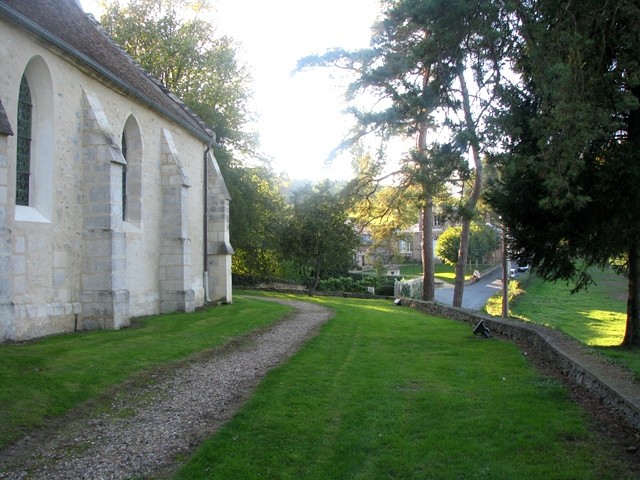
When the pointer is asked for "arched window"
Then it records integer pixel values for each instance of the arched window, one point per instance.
(35, 146)
(131, 144)
(124, 176)
(23, 160)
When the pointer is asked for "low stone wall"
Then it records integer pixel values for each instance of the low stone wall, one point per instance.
(563, 353)
(298, 289)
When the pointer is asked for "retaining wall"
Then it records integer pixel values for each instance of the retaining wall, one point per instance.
(608, 382)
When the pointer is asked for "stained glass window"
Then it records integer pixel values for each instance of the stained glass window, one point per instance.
(124, 177)
(23, 163)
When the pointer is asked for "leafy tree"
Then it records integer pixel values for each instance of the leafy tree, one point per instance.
(256, 210)
(317, 235)
(483, 240)
(382, 211)
(568, 192)
(423, 55)
(448, 245)
(396, 74)
(170, 40)
(464, 45)
(185, 55)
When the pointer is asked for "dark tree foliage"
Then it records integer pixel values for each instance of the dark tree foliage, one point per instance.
(184, 53)
(317, 235)
(256, 210)
(568, 192)
(483, 241)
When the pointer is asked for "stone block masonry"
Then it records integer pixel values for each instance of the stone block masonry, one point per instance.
(6, 308)
(174, 274)
(104, 296)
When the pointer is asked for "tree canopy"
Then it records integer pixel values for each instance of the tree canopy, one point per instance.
(483, 240)
(432, 69)
(184, 53)
(317, 234)
(256, 210)
(568, 191)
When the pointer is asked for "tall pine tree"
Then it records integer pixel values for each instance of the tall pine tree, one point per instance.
(423, 57)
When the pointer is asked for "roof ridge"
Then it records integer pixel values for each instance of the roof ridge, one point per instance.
(152, 77)
(66, 26)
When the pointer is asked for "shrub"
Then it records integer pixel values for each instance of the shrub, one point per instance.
(483, 240)
(347, 284)
(386, 289)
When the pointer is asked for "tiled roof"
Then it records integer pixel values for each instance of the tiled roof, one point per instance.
(65, 25)
(5, 126)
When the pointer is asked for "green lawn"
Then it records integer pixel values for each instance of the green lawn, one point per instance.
(382, 392)
(443, 272)
(596, 317)
(388, 392)
(46, 378)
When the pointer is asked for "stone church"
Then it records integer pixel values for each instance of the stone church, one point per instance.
(112, 204)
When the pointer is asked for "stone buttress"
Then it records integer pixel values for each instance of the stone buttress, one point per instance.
(104, 297)
(174, 274)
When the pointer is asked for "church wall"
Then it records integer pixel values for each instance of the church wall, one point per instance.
(194, 168)
(143, 239)
(46, 251)
(44, 242)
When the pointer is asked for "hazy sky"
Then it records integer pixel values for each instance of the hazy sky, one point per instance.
(299, 116)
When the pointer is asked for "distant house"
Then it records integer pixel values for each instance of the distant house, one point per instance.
(405, 247)
(409, 246)
(111, 202)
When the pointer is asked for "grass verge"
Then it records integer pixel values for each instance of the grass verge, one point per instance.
(388, 392)
(442, 272)
(47, 377)
(595, 317)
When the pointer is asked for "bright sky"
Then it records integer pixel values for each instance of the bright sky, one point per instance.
(300, 118)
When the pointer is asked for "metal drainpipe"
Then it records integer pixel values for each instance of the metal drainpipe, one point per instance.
(205, 235)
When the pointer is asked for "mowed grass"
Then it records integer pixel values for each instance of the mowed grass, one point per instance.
(46, 378)
(596, 317)
(385, 392)
(443, 272)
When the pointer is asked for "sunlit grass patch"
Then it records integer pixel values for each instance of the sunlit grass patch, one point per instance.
(389, 392)
(595, 317)
(606, 328)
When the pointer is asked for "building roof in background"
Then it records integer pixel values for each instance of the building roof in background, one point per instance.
(64, 24)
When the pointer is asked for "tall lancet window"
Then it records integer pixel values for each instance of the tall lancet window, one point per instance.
(23, 161)
(124, 177)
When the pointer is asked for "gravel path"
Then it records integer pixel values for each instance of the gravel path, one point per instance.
(149, 427)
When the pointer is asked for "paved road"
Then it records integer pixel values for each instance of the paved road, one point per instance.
(475, 295)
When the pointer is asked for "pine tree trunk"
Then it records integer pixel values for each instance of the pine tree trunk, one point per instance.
(458, 288)
(632, 332)
(428, 284)
(470, 205)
